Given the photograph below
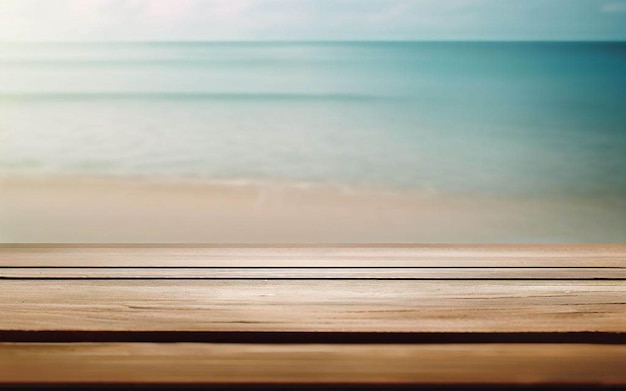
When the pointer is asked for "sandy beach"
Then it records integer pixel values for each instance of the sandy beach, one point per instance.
(127, 210)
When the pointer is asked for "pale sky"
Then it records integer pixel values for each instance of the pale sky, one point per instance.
(200, 20)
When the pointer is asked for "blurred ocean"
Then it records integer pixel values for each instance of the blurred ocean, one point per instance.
(487, 118)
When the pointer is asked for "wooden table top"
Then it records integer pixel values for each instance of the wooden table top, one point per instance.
(312, 316)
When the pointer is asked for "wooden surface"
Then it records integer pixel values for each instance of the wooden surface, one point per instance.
(487, 314)
(318, 273)
(314, 305)
(190, 255)
(313, 364)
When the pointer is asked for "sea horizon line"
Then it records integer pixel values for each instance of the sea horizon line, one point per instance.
(320, 41)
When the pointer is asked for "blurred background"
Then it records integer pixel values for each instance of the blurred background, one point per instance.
(311, 141)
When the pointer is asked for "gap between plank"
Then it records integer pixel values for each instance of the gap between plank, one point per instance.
(279, 337)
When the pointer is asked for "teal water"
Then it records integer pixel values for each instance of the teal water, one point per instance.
(486, 118)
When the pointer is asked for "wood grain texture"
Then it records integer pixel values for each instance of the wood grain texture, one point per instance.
(162, 292)
(314, 305)
(312, 364)
(195, 255)
(398, 273)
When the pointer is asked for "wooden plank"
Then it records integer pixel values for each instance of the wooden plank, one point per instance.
(193, 255)
(317, 273)
(140, 363)
(314, 305)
